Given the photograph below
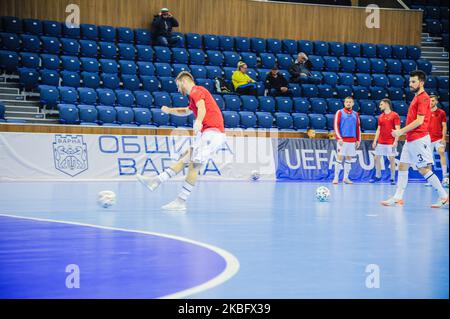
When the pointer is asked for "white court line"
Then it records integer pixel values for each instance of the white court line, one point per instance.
(231, 268)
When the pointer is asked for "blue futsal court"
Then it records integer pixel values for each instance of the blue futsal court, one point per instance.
(236, 240)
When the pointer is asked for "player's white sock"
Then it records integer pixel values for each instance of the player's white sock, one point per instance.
(436, 183)
(393, 173)
(166, 174)
(377, 172)
(401, 184)
(444, 170)
(337, 169)
(185, 191)
(347, 168)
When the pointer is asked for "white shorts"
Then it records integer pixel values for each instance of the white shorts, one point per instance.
(385, 150)
(435, 146)
(346, 149)
(206, 145)
(418, 152)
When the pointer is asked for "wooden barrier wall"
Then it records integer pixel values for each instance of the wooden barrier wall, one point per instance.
(237, 17)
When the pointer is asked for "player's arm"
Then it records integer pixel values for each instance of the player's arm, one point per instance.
(397, 127)
(375, 139)
(358, 131)
(201, 112)
(444, 132)
(179, 111)
(337, 122)
(411, 126)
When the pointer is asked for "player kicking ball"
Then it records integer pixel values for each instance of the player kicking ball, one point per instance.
(348, 134)
(417, 149)
(384, 143)
(209, 138)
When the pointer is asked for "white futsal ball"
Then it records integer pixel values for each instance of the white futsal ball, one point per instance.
(255, 175)
(445, 182)
(106, 198)
(323, 194)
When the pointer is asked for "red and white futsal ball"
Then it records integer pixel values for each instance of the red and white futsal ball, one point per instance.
(323, 194)
(106, 199)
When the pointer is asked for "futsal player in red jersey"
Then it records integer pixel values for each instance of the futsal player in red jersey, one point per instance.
(438, 131)
(417, 149)
(384, 143)
(209, 138)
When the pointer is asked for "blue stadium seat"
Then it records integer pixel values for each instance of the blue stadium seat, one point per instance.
(88, 48)
(126, 51)
(249, 58)
(106, 97)
(107, 115)
(334, 105)
(384, 51)
(380, 80)
(69, 78)
(70, 46)
(143, 99)
(262, 74)
(128, 67)
(228, 72)
(89, 32)
(177, 68)
(106, 33)
(331, 63)
(161, 99)
(346, 79)
(378, 93)
(400, 107)
(163, 54)
(330, 121)
(10, 41)
(318, 105)
(145, 53)
(242, 44)
(443, 95)
(163, 69)
(107, 50)
(90, 79)
(131, 82)
(143, 116)
(296, 89)
(362, 65)
(330, 78)
(394, 66)
(317, 62)
(125, 98)
(258, 45)
(180, 55)
(424, 65)
(88, 114)
(178, 121)
(325, 91)
(125, 35)
(305, 46)
(125, 116)
(368, 50)
(109, 66)
(143, 36)
(68, 95)
(50, 45)
(360, 93)
(318, 122)
(284, 104)
(197, 56)
(348, 64)
(208, 84)
(9, 61)
(408, 66)
(27, 60)
(409, 96)
(231, 59)
(337, 49)
(49, 95)
(110, 81)
(231, 119)
(431, 82)
(198, 71)
(267, 103)
(274, 46)
(248, 120)
(310, 90)
(300, 121)
(70, 63)
(343, 91)
(70, 31)
(232, 102)
(193, 41)
(214, 58)
(414, 52)
(265, 120)
(12, 24)
(320, 48)
(353, 49)
(182, 39)
(50, 61)
(213, 71)
(211, 42)
(249, 103)
(226, 43)
(87, 96)
(442, 82)
(377, 66)
(68, 114)
(219, 100)
(179, 100)
(146, 68)
(284, 60)
(395, 93)
(267, 60)
(368, 123)
(284, 121)
(301, 105)
(396, 80)
(367, 107)
(52, 28)
(49, 77)
(168, 84)
(399, 52)
(30, 43)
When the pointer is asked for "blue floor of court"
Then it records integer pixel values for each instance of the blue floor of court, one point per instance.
(287, 245)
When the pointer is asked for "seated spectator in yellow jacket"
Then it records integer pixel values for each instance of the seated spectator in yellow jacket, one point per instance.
(243, 84)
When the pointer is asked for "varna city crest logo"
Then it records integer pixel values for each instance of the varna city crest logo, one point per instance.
(70, 154)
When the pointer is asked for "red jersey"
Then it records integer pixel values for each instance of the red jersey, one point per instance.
(213, 117)
(387, 123)
(420, 105)
(337, 127)
(437, 118)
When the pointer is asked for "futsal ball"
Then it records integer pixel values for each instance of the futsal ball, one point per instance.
(445, 182)
(255, 175)
(106, 198)
(322, 194)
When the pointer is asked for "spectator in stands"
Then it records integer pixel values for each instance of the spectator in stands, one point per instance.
(162, 29)
(300, 70)
(243, 84)
(276, 84)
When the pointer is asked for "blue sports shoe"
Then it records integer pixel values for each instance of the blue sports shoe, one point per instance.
(375, 180)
